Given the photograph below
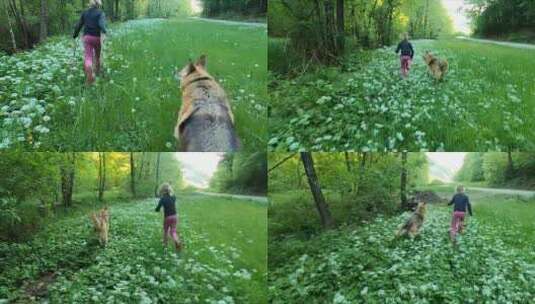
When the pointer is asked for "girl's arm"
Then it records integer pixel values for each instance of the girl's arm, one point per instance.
(102, 22)
(78, 26)
(160, 204)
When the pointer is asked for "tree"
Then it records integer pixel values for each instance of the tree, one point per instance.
(319, 199)
(157, 181)
(101, 175)
(43, 24)
(403, 181)
(67, 172)
(340, 25)
(132, 175)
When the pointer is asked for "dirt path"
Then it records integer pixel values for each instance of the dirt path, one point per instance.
(525, 193)
(262, 199)
(256, 24)
(504, 43)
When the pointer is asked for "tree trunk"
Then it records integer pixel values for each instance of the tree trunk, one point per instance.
(67, 170)
(116, 10)
(101, 175)
(403, 183)
(330, 31)
(319, 199)
(43, 21)
(340, 24)
(132, 175)
(509, 171)
(13, 41)
(157, 174)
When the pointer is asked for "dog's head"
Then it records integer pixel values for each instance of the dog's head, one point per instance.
(105, 213)
(421, 208)
(428, 57)
(192, 71)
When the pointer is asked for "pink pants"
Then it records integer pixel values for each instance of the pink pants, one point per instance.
(91, 50)
(457, 222)
(169, 228)
(405, 65)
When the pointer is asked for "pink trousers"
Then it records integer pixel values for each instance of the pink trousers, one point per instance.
(405, 65)
(457, 222)
(91, 51)
(169, 229)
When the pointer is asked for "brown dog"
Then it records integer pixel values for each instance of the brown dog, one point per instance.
(414, 223)
(205, 122)
(437, 67)
(101, 221)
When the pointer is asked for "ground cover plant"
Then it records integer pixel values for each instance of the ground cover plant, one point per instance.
(224, 259)
(133, 107)
(493, 263)
(332, 230)
(485, 102)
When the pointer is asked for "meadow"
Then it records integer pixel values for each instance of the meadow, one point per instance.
(223, 261)
(494, 261)
(44, 104)
(486, 101)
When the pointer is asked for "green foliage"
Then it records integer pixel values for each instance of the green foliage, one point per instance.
(494, 169)
(484, 103)
(244, 8)
(134, 106)
(368, 24)
(224, 258)
(352, 265)
(501, 18)
(241, 173)
(357, 187)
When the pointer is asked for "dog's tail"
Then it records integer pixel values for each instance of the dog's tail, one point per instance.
(444, 66)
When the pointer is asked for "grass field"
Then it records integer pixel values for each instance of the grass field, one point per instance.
(224, 259)
(485, 103)
(493, 263)
(44, 104)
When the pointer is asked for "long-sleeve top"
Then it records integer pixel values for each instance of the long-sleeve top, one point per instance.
(406, 48)
(461, 203)
(168, 204)
(93, 20)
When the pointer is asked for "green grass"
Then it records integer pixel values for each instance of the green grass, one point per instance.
(224, 258)
(493, 262)
(485, 103)
(134, 106)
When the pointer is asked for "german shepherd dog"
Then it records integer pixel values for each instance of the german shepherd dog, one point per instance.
(205, 122)
(101, 221)
(437, 67)
(414, 223)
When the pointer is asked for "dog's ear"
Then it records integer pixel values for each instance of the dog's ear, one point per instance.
(201, 61)
(188, 69)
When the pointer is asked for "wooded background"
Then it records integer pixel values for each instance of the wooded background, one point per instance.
(516, 170)
(503, 18)
(310, 192)
(319, 30)
(42, 185)
(23, 23)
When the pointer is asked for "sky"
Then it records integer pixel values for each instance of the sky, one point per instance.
(196, 6)
(198, 168)
(461, 22)
(451, 160)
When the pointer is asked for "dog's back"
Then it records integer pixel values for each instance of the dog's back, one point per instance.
(209, 128)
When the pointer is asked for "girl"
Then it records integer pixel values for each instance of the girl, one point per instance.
(93, 21)
(407, 53)
(460, 203)
(167, 201)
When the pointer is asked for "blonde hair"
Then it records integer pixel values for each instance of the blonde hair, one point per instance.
(95, 3)
(460, 188)
(165, 188)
